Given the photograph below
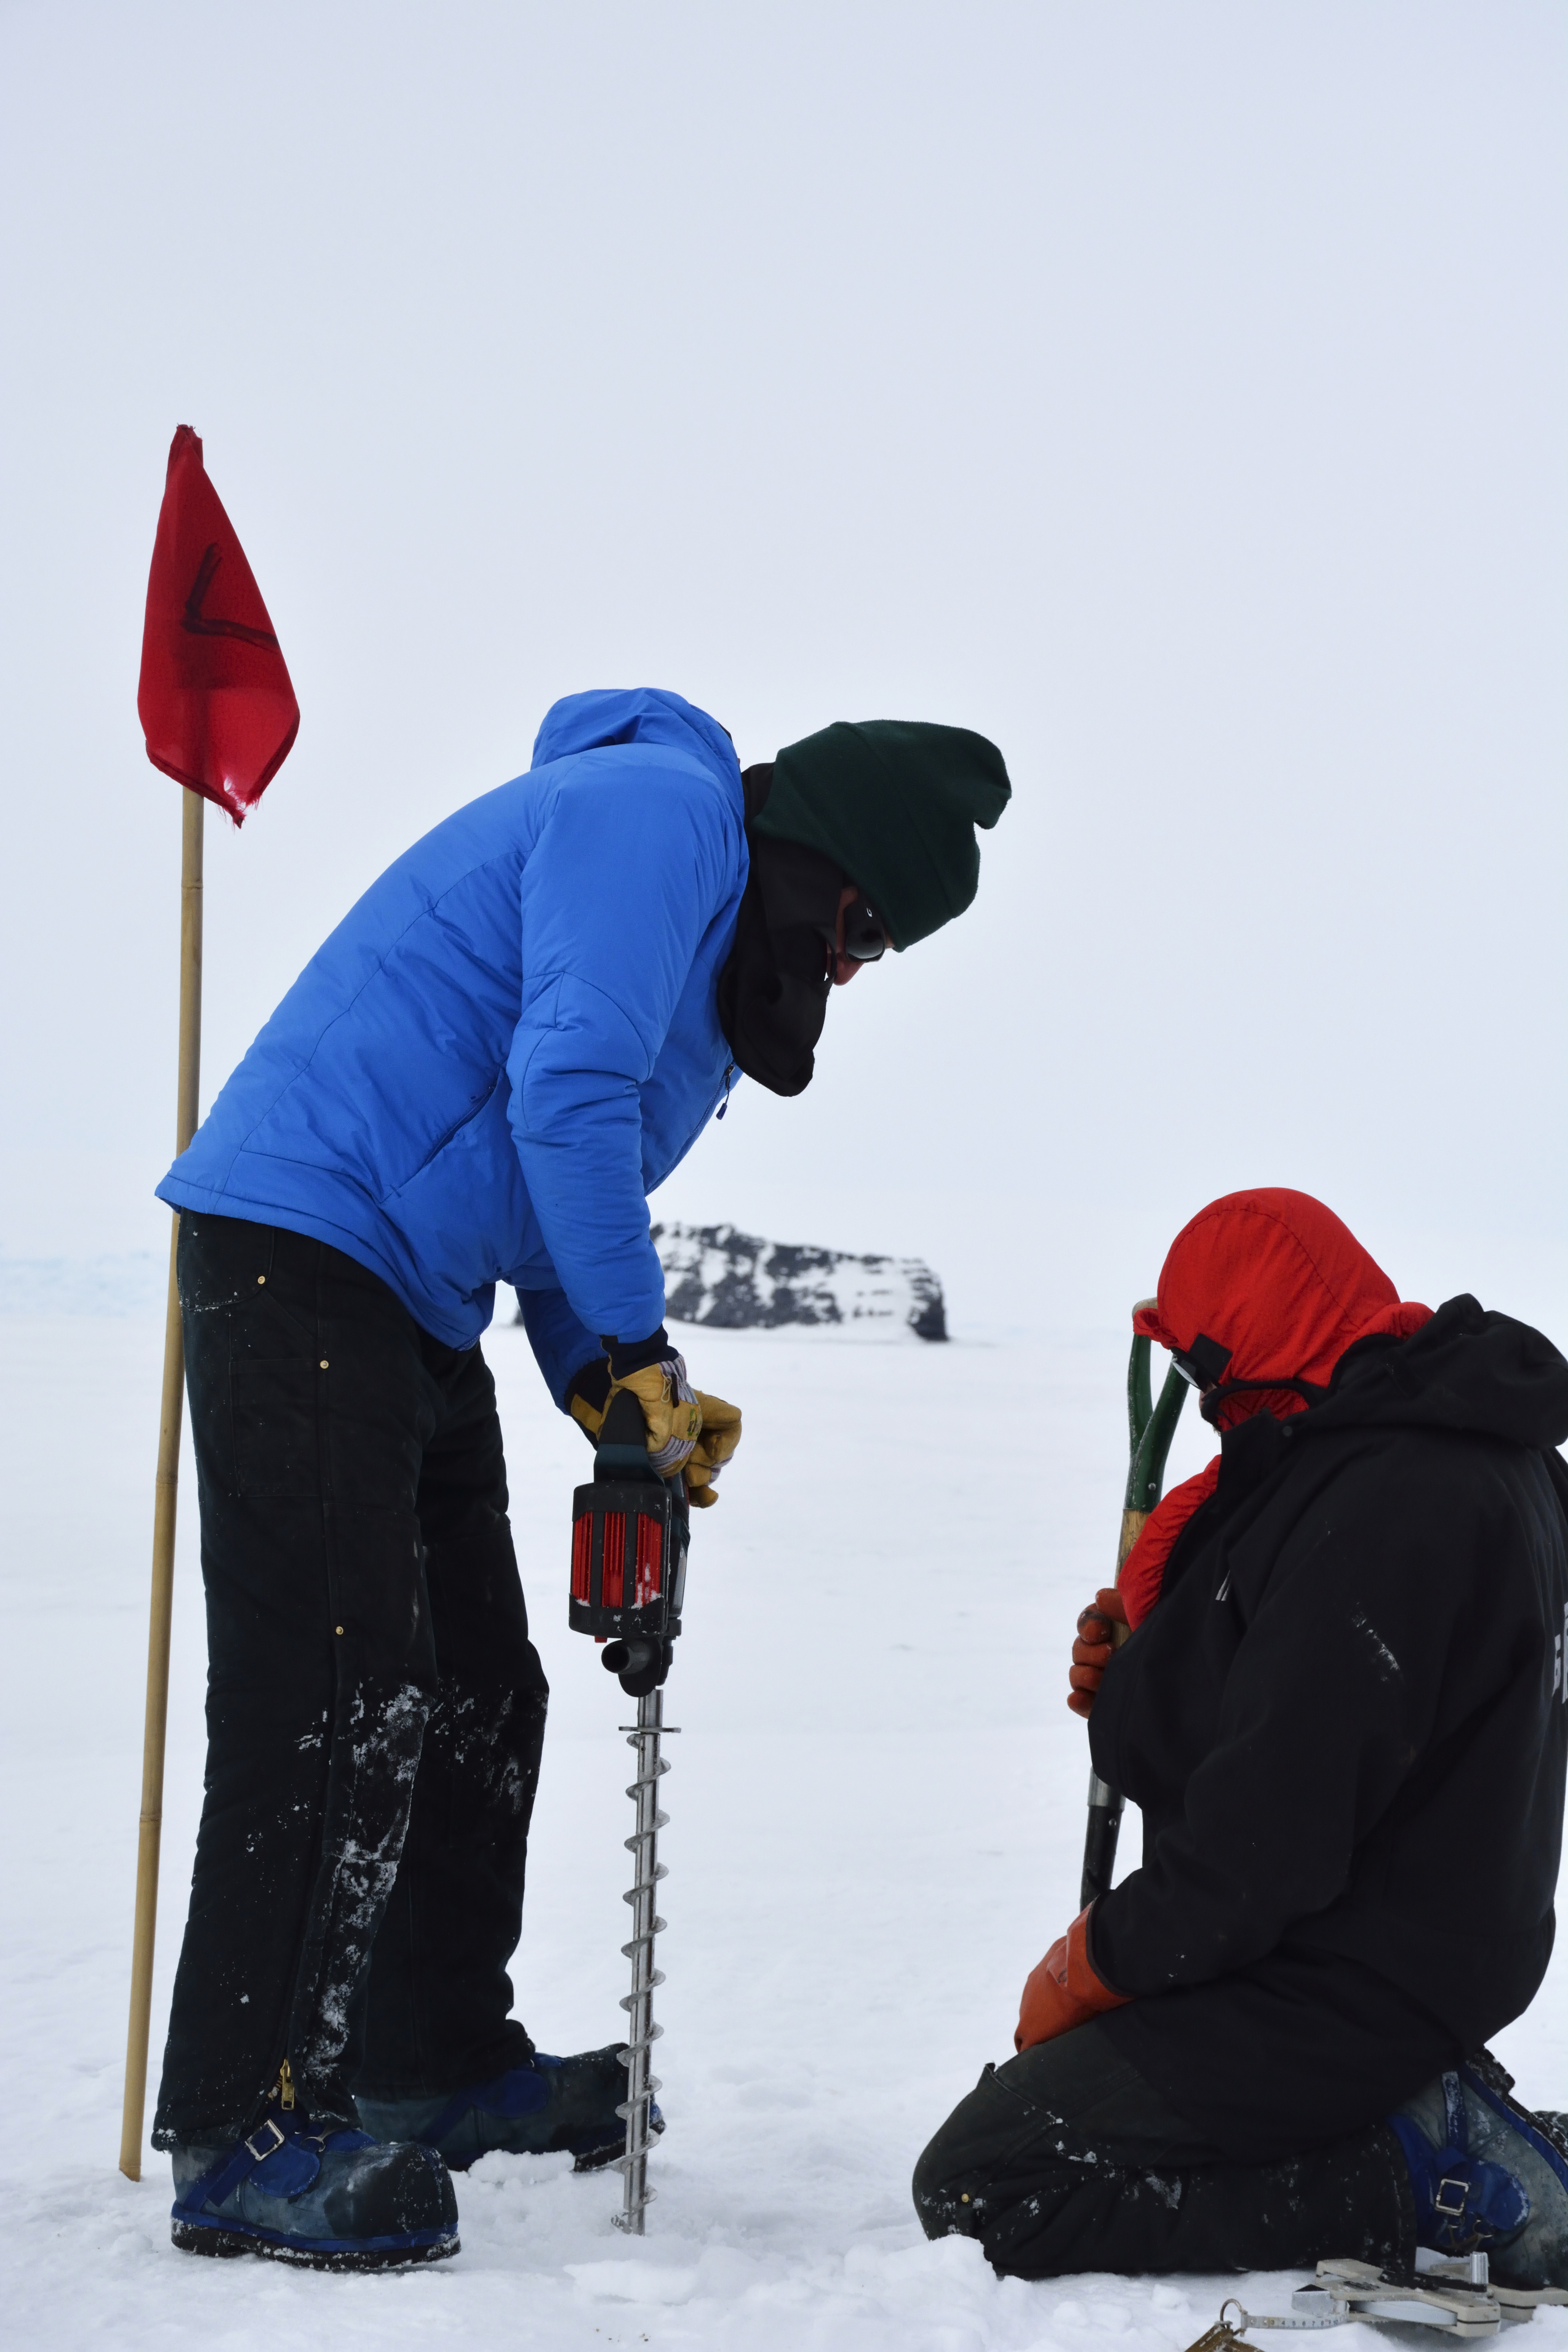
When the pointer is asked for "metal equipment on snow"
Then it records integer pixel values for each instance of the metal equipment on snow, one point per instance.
(636, 2057)
(630, 1530)
(1450, 2292)
(1151, 1428)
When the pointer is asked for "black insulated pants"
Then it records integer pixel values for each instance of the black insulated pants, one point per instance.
(375, 1710)
(1066, 2160)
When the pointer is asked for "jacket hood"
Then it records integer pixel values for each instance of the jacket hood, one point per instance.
(637, 714)
(1466, 1369)
(1279, 1287)
(1277, 1278)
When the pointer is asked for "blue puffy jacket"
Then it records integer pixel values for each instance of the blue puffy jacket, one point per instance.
(510, 1039)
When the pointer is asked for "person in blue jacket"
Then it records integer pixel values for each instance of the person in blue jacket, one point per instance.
(511, 1039)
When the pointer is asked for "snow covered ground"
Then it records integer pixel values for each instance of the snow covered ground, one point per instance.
(876, 1823)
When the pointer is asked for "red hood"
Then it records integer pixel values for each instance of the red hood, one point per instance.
(1276, 1278)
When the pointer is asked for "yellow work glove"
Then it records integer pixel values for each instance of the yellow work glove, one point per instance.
(721, 1435)
(671, 1414)
(665, 1395)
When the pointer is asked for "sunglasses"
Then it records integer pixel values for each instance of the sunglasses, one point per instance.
(865, 938)
(1203, 1365)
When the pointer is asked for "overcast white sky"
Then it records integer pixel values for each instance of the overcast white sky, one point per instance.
(1174, 392)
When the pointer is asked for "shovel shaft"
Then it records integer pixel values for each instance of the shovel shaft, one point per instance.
(1151, 1425)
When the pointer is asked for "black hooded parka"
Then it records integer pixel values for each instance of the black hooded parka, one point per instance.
(1346, 1724)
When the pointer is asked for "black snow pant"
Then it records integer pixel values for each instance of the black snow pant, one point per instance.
(375, 1710)
(1066, 2160)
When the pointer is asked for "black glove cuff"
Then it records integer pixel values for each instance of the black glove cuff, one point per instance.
(591, 1381)
(628, 1356)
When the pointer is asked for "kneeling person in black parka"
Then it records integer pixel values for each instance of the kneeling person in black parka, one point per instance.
(1343, 1712)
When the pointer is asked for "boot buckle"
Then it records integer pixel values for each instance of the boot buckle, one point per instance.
(273, 2145)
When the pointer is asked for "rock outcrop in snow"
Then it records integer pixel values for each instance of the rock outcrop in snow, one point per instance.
(735, 1281)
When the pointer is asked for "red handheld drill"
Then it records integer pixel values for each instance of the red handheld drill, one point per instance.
(631, 1531)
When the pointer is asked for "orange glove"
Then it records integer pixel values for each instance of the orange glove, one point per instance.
(1064, 1990)
(1092, 1650)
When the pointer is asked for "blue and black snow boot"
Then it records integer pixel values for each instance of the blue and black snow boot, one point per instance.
(549, 2105)
(1487, 2176)
(337, 2200)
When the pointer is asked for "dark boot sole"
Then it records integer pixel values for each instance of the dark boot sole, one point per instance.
(225, 2243)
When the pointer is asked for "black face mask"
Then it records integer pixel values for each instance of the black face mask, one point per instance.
(773, 989)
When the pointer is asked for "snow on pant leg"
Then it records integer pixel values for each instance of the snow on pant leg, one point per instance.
(1065, 2159)
(310, 1408)
(439, 1999)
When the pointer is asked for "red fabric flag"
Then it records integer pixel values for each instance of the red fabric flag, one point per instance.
(215, 701)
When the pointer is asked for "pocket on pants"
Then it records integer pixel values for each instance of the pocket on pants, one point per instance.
(277, 1404)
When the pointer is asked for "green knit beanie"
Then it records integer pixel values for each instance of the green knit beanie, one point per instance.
(894, 803)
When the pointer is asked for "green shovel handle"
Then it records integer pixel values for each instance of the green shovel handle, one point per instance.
(1150, 1427)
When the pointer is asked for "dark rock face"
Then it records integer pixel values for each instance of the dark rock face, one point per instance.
(739, 1283)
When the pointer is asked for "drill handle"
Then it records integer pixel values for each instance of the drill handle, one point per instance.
(622, 1450)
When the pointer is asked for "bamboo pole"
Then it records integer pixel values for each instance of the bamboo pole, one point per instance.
(166, 1495)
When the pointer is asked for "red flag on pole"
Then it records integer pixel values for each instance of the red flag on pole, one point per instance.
(215, 701)
(219, 716)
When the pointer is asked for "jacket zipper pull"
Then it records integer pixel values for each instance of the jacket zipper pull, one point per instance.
(729, 1073)
(285, 2085)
